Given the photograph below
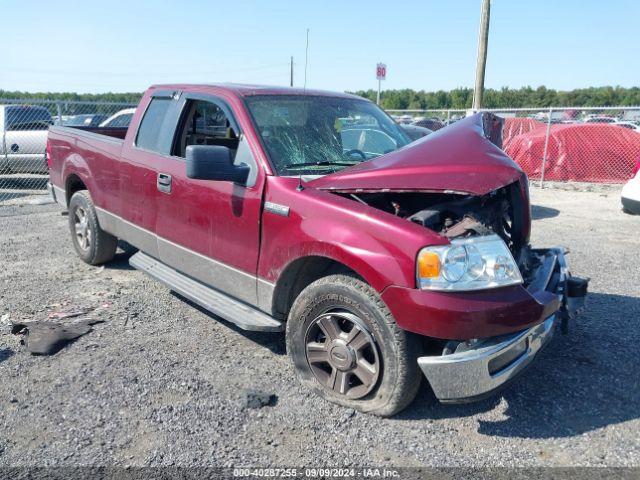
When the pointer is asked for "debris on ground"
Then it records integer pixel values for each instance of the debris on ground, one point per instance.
(5, 324)
(71, 313)
(257, 399)
(48, 338)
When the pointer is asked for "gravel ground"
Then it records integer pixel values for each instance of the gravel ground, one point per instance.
(161, 382)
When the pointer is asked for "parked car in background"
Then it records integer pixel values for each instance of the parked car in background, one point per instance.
(629, 125)
(84, 120)
(404, 119)
(23, 137)
(631, 192)
(415, 132)
(383, 260)
(600, 119)
(579, 152)
(120, 119)
(432, 124)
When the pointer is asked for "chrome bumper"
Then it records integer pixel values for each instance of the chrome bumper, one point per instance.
(488, 364)
(51, 191)
(475, 373)
(57, 194)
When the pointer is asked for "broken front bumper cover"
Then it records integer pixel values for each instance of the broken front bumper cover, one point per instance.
(479, 369)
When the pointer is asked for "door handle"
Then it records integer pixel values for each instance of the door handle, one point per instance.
(164, 182)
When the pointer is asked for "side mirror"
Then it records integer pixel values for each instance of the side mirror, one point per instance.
(214, 162)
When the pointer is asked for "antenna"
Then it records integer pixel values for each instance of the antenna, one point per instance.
(300, 188)
(306, 60)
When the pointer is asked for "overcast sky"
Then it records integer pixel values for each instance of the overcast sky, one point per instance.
(427, 44)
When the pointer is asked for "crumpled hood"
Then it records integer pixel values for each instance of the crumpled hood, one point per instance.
(458, 158)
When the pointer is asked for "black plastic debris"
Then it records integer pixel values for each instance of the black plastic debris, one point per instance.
(257, 399)
(48, 338)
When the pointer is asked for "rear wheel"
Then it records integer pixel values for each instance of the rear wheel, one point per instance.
(346, 346)
(93, 245)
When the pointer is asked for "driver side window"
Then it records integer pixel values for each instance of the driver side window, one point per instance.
(205, 123)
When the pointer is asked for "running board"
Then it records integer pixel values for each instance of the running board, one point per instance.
(244, 316)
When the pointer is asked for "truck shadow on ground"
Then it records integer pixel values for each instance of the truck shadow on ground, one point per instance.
(274, 341)
(538, 212)
(123, 254)
(581, 382)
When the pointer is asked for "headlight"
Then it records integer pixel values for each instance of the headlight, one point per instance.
(474, 263)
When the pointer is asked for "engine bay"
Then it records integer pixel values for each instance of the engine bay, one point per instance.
(455, 215)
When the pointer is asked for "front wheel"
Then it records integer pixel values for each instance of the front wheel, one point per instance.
(93, 245)
(346, 346)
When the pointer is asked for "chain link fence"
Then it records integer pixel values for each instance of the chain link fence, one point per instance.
(570, 145)
(23, 135)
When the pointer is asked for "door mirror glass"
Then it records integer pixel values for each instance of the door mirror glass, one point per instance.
(214, 162)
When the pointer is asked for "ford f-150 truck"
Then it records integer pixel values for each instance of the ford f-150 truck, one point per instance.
(312, 212)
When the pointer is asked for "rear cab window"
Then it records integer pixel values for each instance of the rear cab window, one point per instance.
(152, 127)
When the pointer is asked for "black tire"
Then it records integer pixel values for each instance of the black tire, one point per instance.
(100, 246)
(398, 378)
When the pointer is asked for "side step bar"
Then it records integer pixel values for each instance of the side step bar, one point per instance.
(244, 316)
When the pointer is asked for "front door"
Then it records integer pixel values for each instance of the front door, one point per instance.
(207, 229)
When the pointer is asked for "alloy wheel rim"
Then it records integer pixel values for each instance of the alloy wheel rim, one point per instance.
(82, 229)
(342, 354)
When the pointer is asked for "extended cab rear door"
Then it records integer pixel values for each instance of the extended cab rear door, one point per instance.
(143, 149)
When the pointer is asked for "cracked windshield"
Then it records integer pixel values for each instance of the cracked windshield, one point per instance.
(319, 135)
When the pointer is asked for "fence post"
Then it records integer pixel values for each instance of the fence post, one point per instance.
(546, 145)
(59, 110)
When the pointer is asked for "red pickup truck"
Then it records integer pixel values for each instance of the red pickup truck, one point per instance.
(312, 212)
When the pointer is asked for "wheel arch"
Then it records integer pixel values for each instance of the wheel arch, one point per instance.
(300, 273)
(73, 183)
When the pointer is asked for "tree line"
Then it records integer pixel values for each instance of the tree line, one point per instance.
(461, 98)
(458, 98)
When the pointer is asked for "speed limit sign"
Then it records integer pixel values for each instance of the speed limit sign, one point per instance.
(381, 71)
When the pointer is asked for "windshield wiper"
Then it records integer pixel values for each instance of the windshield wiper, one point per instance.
(325, 163)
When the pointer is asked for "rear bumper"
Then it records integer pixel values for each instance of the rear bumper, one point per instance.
(481, 367)
(57, 194)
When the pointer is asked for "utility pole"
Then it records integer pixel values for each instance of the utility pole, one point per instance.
(483, 40)
(291, 80)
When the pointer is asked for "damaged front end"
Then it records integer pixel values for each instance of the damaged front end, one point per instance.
(504, 212)
(465, 370)
(461, 185)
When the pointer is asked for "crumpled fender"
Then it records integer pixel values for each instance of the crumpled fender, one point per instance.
(379, 247)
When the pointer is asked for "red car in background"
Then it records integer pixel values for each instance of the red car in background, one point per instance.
(589, 152)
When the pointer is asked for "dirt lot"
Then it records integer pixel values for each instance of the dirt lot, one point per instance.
(161, 382)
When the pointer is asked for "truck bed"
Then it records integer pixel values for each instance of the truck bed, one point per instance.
(79, 150)
(109, 132)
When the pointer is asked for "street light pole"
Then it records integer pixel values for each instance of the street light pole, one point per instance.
(483, 40)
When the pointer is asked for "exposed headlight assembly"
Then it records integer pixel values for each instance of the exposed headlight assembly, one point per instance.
(474, 263)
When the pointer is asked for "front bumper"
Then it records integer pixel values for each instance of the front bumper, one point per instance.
(478, 369)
